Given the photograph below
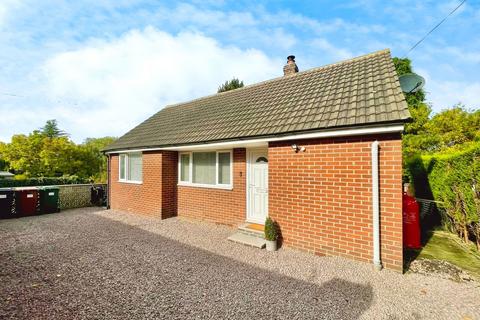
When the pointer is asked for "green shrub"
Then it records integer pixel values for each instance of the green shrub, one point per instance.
(271, 230)
(42, 181)
(452, 178)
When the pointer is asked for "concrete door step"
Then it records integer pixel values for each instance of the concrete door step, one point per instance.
(247, 229)
(248, 240)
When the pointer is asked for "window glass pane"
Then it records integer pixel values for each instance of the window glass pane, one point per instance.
(135, 167)
(224, 168)
(204, 165)
(122, 167)
(185, 167)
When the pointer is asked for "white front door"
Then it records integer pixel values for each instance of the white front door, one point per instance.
(257, 185)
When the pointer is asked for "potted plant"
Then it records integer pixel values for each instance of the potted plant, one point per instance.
(271, 234)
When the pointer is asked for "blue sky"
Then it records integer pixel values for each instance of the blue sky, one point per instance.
(101, 67)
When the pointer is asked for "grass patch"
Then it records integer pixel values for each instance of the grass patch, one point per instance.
(446, 246)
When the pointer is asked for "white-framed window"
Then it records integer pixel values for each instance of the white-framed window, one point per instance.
(130, 167)
(212, 169)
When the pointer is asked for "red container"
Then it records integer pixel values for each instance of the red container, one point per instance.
(411, 222)
(26, 200)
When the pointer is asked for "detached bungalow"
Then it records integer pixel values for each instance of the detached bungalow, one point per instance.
(319, 151)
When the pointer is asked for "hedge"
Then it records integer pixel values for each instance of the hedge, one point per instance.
(42, 181)
(453, 179)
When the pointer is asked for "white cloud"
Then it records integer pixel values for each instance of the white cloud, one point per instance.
(442, 94)
(327, 48)
(445, 94)
(116, 84)
(108, 85)
(5, 7)
(253, 22)
(242, 28)
(446, 7)
(186, 13)
(462, 54)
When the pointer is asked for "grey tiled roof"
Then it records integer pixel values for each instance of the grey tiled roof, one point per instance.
(357, 92)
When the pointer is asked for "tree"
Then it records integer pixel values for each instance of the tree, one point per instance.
(230, 85)
(98, 143)
(447, 129)
(441, 157)
(50, 153)
(415, 137)
(419, 110)
(51, 130)
(22, 153)
(95, 147)
(59, 156)
(3, 162)
(454, 126)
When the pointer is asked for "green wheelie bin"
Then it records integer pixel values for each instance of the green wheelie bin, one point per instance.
(49, 201)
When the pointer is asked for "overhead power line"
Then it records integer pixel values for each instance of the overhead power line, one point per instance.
(10, 94)
(433, 29)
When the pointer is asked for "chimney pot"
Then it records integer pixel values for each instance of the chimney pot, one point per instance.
(291, 67)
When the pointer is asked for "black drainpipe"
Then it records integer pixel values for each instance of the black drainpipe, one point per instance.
(108, 181)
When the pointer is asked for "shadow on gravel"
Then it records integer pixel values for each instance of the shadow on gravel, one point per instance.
(94, 267)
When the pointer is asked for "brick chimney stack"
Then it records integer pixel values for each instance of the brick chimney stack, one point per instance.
(291, 67)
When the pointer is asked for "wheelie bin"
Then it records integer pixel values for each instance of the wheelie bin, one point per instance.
(97, 196)
(26, 201)
(7, 203)
(49, 199)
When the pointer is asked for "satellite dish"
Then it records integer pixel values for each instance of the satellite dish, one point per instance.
(411, 82)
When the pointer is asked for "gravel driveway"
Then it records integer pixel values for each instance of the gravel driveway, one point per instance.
(91, 264)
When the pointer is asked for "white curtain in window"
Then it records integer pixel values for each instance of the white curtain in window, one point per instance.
(185, 167)
(224, 168)
(135, 166)
(122, 167)
(204, 167)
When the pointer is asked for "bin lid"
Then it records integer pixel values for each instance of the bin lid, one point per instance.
(25, 188)
(6, 189)
(48, 188)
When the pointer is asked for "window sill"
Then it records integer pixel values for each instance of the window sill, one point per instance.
(131, 182)
(207, 186)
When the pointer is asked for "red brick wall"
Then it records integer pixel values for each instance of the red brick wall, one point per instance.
(217, 205)
(156, 196)
(321, 198)
(169, 183)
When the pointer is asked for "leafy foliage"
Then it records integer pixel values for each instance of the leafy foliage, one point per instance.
(452, 177)
(51, 130)
(426, 134)
(94, 146)
(50, 153)
(449, 128)
(271, 230)
(230, 85)
(441, 156)
(3, 162)
(23, 153)
(43, 181)
(454, 126)
(419, 110)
